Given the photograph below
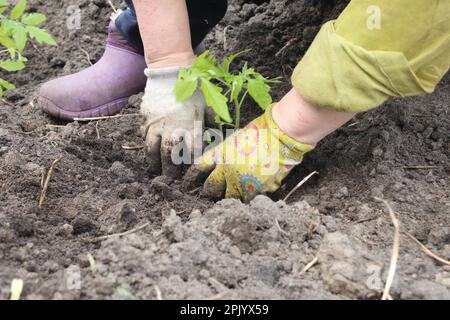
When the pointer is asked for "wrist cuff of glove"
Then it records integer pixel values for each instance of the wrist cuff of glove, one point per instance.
(155, 73)
(295, 147)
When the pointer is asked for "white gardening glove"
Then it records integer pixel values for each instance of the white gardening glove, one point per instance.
(169, 125)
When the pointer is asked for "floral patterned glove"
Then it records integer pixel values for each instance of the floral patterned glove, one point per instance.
(253, 161)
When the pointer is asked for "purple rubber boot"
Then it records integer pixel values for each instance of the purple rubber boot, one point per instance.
(100, 90)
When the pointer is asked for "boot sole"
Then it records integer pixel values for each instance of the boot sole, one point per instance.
(104, 110)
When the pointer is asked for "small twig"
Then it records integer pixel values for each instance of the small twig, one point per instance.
(277, 223)
(395, 250)
(133, 147)
(108, 117)
(225, 41)
(97, 130)
(92, 263)
(22, 132)
(427, 251)
(150, 123)
(54, 126)
(8, 103)
(38, 50)
(309, 266)
(286, 74)
(123, 233)
(32, 102)
(299, 185)
(366, 219)
(42, 179)
(419, 167)
(87, 55)
(216, 297)
(16, 289)
(158, 293)
(47, 183)
(195, 190)
(217, 285)
(112, 6)
(287, 45)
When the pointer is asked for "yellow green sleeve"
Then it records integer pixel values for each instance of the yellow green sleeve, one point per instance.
(376, 50)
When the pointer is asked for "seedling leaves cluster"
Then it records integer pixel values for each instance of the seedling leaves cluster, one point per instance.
(220, 86)
(16, 29)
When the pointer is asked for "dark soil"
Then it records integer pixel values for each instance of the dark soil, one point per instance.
(193, 248)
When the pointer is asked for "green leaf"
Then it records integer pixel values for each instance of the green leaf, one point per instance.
(215, 99)
(7, 27)
(12, 52)
(12, 65)
(20, 37)
(259, 91)
(33, 19)
(250, 72)
(41, 36)
(5, 84)
(7, 42)
(18, 10)
(236, 87)
(228, 60)
(185, 86)
(15, 30)
(206, 63)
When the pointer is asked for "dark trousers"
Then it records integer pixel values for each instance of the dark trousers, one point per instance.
(204, 15)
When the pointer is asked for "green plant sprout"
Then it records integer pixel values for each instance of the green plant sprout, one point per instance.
(221, 87)
(16, 289)
(16, 29)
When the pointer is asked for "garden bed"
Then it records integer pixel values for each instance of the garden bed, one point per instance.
(190, 247)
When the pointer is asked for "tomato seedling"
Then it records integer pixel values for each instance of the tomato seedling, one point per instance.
(16, 29)
(220, 86)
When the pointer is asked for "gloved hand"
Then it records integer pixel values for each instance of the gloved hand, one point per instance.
(253, 161)
(169, 127)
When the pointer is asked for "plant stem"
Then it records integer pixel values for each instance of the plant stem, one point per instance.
(221, 81)
(237, 122)
(238, 105)
(243, 98)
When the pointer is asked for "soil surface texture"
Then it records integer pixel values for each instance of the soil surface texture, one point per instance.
(179, 245)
